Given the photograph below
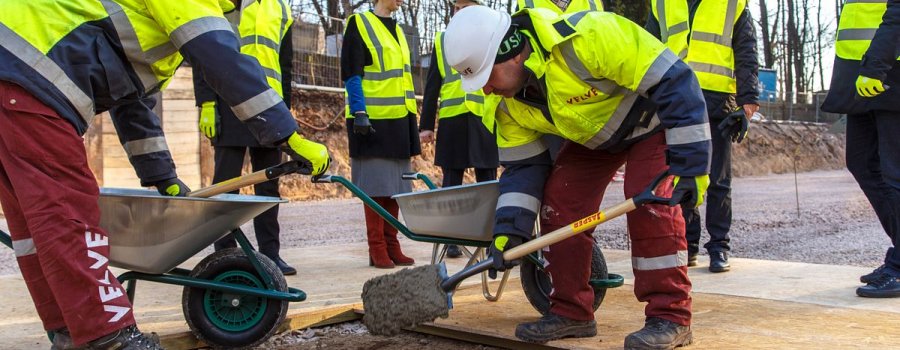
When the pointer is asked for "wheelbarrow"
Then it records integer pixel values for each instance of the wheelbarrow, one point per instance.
(464, 216)
(234, 297)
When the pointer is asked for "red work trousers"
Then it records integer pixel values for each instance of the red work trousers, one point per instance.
(49, 197)
(658, 248)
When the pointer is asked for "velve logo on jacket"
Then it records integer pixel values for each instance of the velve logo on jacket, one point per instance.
(581, 98)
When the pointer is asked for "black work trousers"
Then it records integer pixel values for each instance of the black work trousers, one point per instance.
(229, 162)
(454, 177)
(873, 157)
(718, 200)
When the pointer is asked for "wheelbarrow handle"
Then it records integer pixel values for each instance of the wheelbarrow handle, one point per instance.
(252, 179)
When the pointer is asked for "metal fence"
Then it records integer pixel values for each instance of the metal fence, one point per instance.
(798, 107)
(317, 52)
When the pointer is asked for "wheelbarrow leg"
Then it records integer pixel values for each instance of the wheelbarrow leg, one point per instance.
(130, 287)
(485, 287)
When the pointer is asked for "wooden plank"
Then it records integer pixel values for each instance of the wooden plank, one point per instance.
(302, 320)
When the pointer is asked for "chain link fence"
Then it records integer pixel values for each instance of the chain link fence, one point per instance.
(317, 51)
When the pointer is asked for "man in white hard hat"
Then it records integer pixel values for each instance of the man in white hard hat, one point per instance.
(618, 96)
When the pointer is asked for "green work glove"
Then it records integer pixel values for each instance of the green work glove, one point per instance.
(208, 119)
(869, 87)
(689, 191)
(501, 244)
(172, 187)
(313, 154)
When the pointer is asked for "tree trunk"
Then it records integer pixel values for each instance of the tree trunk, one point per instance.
(768, 54)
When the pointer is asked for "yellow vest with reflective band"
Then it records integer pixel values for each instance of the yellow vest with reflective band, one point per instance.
(454, 100)
(709, 51)
(674, 24)
(262, 25)
(859, 21)
(387, 84)
(589, 90)
(150, 33)
(573, 6)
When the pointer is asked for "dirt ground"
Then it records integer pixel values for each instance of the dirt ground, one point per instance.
(353, 336)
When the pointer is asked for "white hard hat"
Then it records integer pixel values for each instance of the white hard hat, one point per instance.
(471, 42)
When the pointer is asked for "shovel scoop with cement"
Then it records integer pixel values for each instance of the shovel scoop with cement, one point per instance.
(414, 296)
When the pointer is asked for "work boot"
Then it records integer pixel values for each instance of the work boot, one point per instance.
(128, 338)
(718, 262)
(659, 333)
(286, 269)
(551, 327)
(62, 340)
(885, 286)
(692, 260)
(453, 251)
(872, 276)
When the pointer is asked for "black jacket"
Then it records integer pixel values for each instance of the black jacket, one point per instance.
(746, 65)
(231, 132)
(879, 62)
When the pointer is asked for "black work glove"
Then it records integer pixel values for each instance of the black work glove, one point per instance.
(735, 126)
(502, 243)
(172, 187)
(689, 191)
(361, 124)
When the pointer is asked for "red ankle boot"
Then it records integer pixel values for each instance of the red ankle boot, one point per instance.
(378, 255)
(390, 237)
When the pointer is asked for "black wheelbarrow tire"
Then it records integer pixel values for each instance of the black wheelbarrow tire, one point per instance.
(537, 287)
(222, 325)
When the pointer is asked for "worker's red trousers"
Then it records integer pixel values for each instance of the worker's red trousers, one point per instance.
(658, 247)
(49, 198)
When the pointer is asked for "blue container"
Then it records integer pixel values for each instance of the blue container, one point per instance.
(768, 81)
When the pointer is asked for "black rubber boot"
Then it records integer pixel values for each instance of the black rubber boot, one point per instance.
(453, 251)
(692, 260)
(872, 276)
(286, 269)
(551, 327)
(718, 262)
(128, 338)
(659, 333)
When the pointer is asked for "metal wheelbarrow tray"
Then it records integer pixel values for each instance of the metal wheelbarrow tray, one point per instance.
(464, 216)
(153, 234)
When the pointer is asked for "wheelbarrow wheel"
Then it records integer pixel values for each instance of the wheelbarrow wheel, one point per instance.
(537, 287)
(227, 320)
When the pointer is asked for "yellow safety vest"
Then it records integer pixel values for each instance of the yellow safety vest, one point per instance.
(591, 87)
(571, 6)
(708, 51)
(387, 83)
(261, 27)
(454, 101)
(150, 32)
(859, 21)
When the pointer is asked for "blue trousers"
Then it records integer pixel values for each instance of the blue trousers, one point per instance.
(873, 157)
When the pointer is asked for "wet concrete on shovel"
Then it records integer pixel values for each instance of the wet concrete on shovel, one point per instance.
(404, 299)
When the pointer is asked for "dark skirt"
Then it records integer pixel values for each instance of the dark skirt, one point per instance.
(380, 177)
(464, 142)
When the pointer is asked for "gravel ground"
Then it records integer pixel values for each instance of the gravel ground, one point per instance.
(835, 225)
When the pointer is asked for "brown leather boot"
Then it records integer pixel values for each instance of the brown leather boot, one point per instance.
(378, 255)
(390, 236)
